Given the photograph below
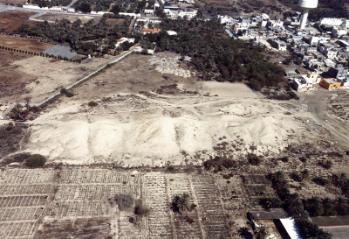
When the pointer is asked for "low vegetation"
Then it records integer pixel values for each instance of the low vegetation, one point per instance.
(181, 204)
(294, 206)
(326, 207)
(26, 160)
(123, 201)
(86, 6)
(10, 136)
(22, 112)
(219, 163)
(90, 38)
(50, 3)
(139, 211)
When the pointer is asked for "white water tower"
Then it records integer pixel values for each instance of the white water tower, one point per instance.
(306, 5)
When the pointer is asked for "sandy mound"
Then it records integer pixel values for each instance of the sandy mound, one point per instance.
(83, 142)
(74, 134)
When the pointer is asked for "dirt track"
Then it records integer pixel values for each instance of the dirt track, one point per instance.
(318, 104)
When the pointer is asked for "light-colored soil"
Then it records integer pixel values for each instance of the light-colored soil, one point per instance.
(133, 125)
(52, 74)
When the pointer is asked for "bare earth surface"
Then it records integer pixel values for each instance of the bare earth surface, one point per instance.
(136, 124)
(123, 131)
(42, 204)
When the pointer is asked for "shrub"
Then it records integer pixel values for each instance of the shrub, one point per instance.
(92, 104)
(326, 164)
(35, 161)
(314, 206)
(18, 113)
(268, 203)
(245, 233)
(180, 203)
(320, 181)
(27, 160)
(218, 163)
(124, 201)
(140, 210)
(310, 230)
(296, 177)
(66, 92)
(253, 159)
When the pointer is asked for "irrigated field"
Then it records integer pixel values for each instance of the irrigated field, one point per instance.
(47, 203)
(27, 44)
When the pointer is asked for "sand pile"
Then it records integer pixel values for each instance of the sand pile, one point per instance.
(72, 135)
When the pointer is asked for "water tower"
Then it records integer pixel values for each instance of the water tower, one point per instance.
(306, 5)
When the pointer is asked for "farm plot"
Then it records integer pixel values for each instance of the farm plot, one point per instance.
(27, 44)
(23, 200)
(81, 202)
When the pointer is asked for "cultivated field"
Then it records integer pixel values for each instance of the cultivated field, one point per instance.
(47, 203)
(27, 44)
(146, 130)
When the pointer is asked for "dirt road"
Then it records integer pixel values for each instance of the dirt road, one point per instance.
(318, 104)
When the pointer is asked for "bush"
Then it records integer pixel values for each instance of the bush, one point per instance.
(124, 201)
(92, 104)
(180, 203)
(268, 203)
(27, 160)
(326, 164)
(245, 233)
(84, 7)
(253, 159)
(140, 210)
(310, 230)
(314, 206)
(218, 163)
(296, 177)
(35, 161)
(66, 92)
(320, 181)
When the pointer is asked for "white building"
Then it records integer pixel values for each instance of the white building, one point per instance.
(331, 22)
